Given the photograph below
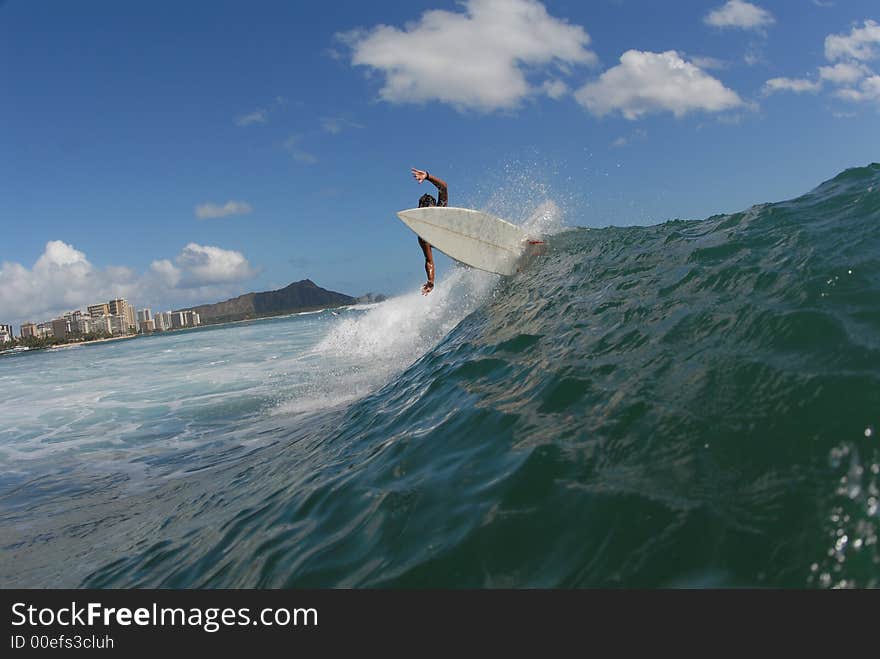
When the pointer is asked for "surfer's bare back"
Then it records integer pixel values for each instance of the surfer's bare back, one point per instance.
(427, 200)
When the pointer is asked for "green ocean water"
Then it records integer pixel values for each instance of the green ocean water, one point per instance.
(692, 404)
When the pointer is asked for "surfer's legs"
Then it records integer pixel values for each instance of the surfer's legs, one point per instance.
(429, 266)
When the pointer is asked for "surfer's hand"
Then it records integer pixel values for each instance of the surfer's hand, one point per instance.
(419, 175)
(427, 287)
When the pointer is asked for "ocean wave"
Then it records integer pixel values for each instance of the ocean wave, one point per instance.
(688, 404)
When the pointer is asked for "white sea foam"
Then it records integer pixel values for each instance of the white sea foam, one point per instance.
(363, 351)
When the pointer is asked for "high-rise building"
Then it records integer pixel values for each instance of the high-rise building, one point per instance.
(119, 307)
(82, 324)
(163, 320)
(118, 324)
(189, 318)
(6, 331)
(45, 329)
(145, 320)
(101, 324)
(61, 328)
(28, 330)
(97, 310)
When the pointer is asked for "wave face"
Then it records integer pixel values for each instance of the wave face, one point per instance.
(693, 404)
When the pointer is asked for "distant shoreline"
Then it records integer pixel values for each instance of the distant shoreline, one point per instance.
(83, 343)
(73, 344)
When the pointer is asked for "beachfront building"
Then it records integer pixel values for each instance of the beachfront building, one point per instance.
(6, 333)
(61, 328)
(119, 307)
(145, 321)
(82, 324)
(163, 320)
(118, 324)
(187, 318)
(100, 325)
(98, 310)
(89, 325)
(29, 331)
(73, 317)
(45, 330)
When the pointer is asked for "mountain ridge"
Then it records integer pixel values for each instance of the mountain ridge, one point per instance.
(303, 295)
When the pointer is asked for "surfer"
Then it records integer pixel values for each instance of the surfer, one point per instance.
(427, 200)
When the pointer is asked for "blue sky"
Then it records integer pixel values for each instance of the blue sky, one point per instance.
(180, 153)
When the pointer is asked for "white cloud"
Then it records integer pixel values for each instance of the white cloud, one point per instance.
(256, 117)
(849, 94)
(60, 277)
(869, 90)
(203, 265)
(754, 54)
(261, 115)
(705, 62)
(646, 82)
(871, 87)
(291, 145)
(844, 73)
(796, 85)
(63, 279)
(209, 210)
(477, 59)
(860, 44)
(638, 134)
(167, 272)
(739, 14)
(855, 81)
(60, 254)
(555, 89)
(335, 125)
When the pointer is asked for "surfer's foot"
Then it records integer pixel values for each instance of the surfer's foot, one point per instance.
(427, 287)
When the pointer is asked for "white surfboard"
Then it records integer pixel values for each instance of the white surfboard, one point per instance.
(476, 239)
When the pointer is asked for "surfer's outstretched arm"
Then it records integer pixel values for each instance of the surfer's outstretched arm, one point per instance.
(442, 191)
